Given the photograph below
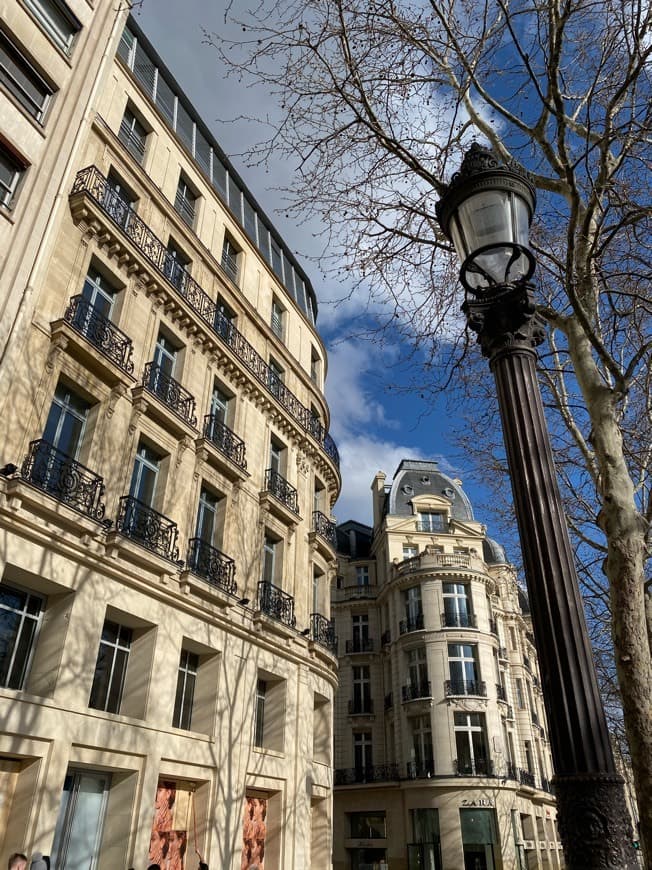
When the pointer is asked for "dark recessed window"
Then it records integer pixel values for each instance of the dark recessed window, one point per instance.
(21, 79)
(56, 20)
(11, 172)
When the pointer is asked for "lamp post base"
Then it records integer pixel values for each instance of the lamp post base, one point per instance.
(594, 824)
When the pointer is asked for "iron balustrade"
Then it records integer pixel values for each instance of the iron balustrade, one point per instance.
(459, 620)
(466, 687)
(141, 523)
(420, 769)
(325, 528)
(212, 565)
(170, 392)
(274, 602)
(367, 773)
(501, 692)
(526, 778)
(360, 645)
(386, 638)
(411, 623)
(100, 331)
(414, 692)
(226, 441)
(281, 489)
(474, 767)
(90, 181)
(546, 785)
(64, 478)
(361, 707)
(322, 631)
(389, 700)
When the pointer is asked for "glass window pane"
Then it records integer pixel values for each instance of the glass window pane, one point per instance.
(144, 70)
(185, 127)
(56, 20)
(203, 153)
(165, 99)
(219, 176)
(235, 199)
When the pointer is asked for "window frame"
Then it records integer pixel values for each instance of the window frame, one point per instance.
(24, 613)
(185, 201)
(35, 7)
(115, 647)
(184, 697)
(34, 77)
(18, 168)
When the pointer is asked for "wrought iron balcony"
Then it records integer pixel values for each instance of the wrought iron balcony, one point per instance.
(360, 645)
(63, 478)
(459, 620)
(526, 778)
(501, 692)
(211, 564)
(325, 528)
(389, 701)
(91, 182)
(361, 707)
(386, 638)
(226, 441)
(275, 603)
(411, 623)
(546, 785)
(466, 687)
(141, 523)
(322, 631)
(414, 692)
(170, 392)
(281, 489)
(474, 767)
(368, 773)
(420, 769)
(101, 332)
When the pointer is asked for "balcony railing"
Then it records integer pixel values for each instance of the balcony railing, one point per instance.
(368, 773)
(360, 645)
(459, 620)
(281, 489)
(411, 623)
(276, 603)
(546, 785)
(226, 441)
(101, 332)
(358, 590)
(170, 392)
(141, 523)
(474, 767)
(63, 478)
(91, 182)
(466, 687)
(413, 693)
(322, 631)
(526, 778)
(134, 143)
(386, 638)
(325, 528)
(420, 769)
(389, 701)
(501, 692)
(361, 707)
(208, 562)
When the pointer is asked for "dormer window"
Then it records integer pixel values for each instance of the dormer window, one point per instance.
(432, 521)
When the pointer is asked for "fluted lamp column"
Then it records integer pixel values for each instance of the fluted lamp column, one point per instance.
(486, 212)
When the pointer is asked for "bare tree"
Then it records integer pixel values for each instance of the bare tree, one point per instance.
(379, 98)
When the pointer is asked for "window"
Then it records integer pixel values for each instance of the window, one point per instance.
(471, 742)
(207, 517)
(520, 697)
(94, 308)
(410, 551)
(64, 427)
(219, 404)
(111, 667)
(362, 575)
(277, 319)
(362, 756)
(418, 671)
(512, 638)
(463, 669)
(422, 760)
(175, 266)
(315, 367)
(413, 610)
(133, 134)
(431, 521)
(80, 824)
(361, 690)
(425, 852)
(259, 721)
(185, 201)
(56, 20)
(529, 760)
(276, 456)
(162, 370)
(11, 171)
(145, 475)
(457, 606)
(275, 379)
(22, 80)
(360, 626)
(119, 201)
(321, 729)
(271, 549)
(20, 617)
(269, 712)
(367, 826)
(186, 678)
(230, 254)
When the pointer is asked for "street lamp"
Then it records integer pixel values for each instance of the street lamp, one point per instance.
(486, 211)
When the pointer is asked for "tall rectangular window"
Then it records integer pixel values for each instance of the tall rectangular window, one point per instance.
(270, 549)
(185, 201)
(362, 755)
(11, 171)
(111, 667)
(57, 21)
(457, 606)
(20, 616)
(361, 689)
(422, 746)
(64, 427)
(520, 696)
(471, 742)
(259, 715)
(79, 828)
(275, 378)
(362, 575)
(418, 671)
(277, 319)
(463, 669)
(145, 475)
(22, 80)
(186, 679)
(360, 625)
(230, 254)
(133, 134)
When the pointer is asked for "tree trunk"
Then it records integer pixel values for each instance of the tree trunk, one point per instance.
(625, 531)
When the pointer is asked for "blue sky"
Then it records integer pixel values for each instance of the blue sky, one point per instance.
(374, 427)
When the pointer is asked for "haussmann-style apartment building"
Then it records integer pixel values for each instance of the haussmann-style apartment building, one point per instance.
(167, 666)
(441, 751)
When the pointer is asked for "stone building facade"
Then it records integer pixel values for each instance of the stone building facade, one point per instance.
(166, 547)
(441, 751)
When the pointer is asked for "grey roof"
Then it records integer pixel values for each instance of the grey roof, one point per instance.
(494, 553)
(420, 477)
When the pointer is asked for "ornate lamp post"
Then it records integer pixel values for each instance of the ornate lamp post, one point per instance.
(486, 212)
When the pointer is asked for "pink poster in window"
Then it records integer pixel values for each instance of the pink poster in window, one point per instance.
(254, 831)
(169, 838)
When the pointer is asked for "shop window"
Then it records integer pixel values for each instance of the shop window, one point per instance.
(80, 824)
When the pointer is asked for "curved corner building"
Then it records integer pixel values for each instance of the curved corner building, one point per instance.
(167, 663)
(441, 751)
